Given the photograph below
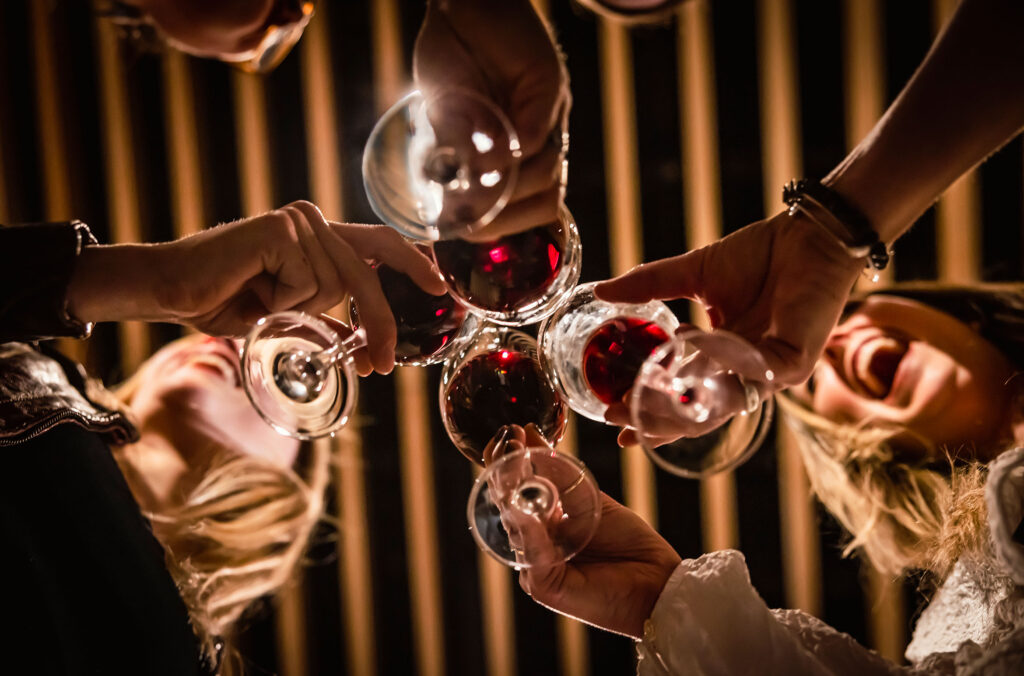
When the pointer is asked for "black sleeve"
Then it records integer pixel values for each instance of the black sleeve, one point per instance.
(36, 263)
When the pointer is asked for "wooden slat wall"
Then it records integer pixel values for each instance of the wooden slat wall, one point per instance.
(624, 222)
(781, 159)
(325, 177)
(185, 168)
(958, 211)
(413, 405)
(122, 188)
(702, 194)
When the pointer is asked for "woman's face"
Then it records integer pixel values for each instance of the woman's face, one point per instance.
(190, 397)
(898, 361)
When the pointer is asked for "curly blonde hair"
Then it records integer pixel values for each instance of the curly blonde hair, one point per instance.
(902, 510)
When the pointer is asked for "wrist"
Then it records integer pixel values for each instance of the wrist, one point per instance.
(115, 283)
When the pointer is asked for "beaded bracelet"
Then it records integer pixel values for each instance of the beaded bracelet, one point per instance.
(850, 228)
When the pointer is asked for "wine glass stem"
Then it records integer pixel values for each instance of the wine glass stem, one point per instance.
(326, 358)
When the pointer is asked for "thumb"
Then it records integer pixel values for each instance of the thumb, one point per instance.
(666, 279)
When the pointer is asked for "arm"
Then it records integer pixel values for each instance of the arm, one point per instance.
(223, 279)
(963, 103)
(781, 283)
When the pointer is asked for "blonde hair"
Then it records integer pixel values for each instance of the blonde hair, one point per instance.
(239, 534)
(902, 511)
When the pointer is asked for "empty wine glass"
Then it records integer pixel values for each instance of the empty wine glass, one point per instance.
(534, 507)
(516, 279)
(300, 375)
(697, 401)
(495, 379)
(700, 404)
(429, 327)
(593, 349)
(441, 165)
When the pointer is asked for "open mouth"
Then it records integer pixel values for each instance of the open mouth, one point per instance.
(871, 367)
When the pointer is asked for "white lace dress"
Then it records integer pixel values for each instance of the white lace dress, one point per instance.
(710, 619)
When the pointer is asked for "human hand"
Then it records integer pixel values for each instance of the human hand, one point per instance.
(614, 582)
(222, 280)
(780, 283)
(504, 52)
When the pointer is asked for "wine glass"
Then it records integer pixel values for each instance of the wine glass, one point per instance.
(593, 349)
(300, 375)
(696, 401)
(700, 404)
(534, 507)
(429, 327)
(495, 379)
(441, 165)
(516, 279)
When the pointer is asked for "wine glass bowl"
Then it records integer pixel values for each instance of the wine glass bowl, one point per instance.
(495, 379)
(429, 327)
(593, 349)
(700, 404)
(299, 374)
(516, 279)
(534, 507)
(441, 165)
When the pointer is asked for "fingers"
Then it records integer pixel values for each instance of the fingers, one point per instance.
(361, 356)
(509, 439)
(329, 290)
(666, 279)
(383, 244)
(363, 285)
(538, 173)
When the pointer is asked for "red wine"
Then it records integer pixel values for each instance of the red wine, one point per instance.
(504, 274)
(615, 353)
(426, 323)
(505, 387)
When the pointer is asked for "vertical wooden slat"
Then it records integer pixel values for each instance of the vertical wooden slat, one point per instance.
(864, 87)
(185, 168)
(781, 144)
(413, 402)
(958, 211)
(496, 589)
(53, 148)
(702, 193)
(120, 172)
(622, 174)
(325, 173)
(257, 188)
(420, 519)
(573, 645)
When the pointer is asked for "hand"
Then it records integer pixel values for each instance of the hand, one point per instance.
(614, 582)
(222, 280)
(780, 283)
(504, 51)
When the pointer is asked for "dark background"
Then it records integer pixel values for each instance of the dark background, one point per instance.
(908, 31)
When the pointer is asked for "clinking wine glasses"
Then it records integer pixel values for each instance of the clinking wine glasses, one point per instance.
(495, 379)
(534, 507)
(442, 166)
(696, 400)
(300, 375)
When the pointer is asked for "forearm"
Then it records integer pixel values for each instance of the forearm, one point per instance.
(118, 282)
(964, 102)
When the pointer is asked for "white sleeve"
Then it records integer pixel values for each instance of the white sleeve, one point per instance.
(709, 619)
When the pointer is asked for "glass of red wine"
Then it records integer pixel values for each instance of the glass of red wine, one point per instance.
(534, 506)
(441, 165)
(517, 279)
(495, 379)
(300, 375)
(593, 349)
(696, 401)
(429, 327)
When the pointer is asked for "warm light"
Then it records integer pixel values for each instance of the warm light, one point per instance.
(490, 179)
(482, 141)
(553, 255)
(498, 254)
